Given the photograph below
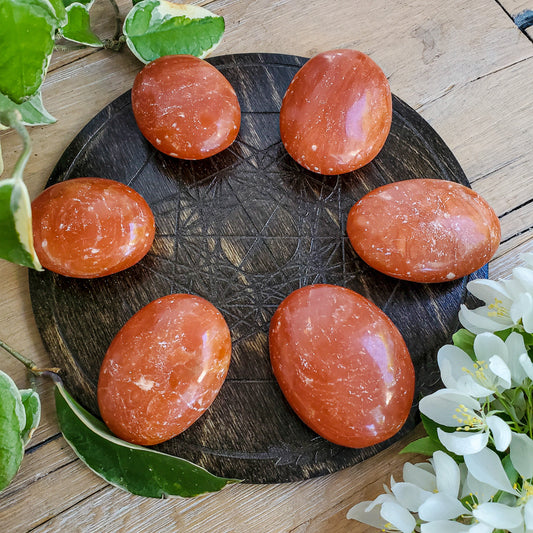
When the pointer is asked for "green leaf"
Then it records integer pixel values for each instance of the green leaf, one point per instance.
(86, 3)
(78, 28)
(59, 11)
(12, 423)
(32, 111)
(27, 40)
(136, 469)
(510, 470)
(504, 333)
(16, 244)
(464, 339)
(424, 446)
(32, 408)
(155, 28)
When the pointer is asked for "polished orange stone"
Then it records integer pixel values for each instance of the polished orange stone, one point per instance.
(336, 113)
(424, 230)
(342, 365)
(163, 369)
(91, 227)
(185, 107)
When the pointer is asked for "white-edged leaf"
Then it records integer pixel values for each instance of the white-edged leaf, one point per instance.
(156, 28)
(32, 110)
(16, 244)
(78, 27)
(133, 468)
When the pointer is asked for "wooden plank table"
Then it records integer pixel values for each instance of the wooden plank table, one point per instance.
(466, 68)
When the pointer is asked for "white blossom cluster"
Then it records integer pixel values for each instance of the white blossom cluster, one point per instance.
(480, 476)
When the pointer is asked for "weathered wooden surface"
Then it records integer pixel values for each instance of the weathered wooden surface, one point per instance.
(465, 67)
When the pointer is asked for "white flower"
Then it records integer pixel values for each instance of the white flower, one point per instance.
(452, 408)
(489, 374)
(430, 490)
(508, 303)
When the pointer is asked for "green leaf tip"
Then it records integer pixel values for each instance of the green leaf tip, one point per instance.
(19, 415)
(155, 28)
(16, 244)
(136, 469)
(78, 27)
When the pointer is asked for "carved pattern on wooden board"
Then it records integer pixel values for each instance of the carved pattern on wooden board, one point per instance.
(244, 229)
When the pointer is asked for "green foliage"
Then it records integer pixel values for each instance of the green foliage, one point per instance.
(12, 426)
(155, 28)
(138, 470)
(424, 446)
(464, 339)
(78, 27)
(27, 37)
(32, 111)
(16, 244)
(32, 409)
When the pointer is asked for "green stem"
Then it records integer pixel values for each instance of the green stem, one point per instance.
(13, 119)
(118, 21)
(28, 363)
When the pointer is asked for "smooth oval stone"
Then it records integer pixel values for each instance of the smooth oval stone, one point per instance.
(336, 113)
(185, 107)
(91, 227)
(424, 230)
(163, 369)
(342, 365)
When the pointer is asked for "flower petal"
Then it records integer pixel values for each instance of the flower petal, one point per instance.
(480, 528)
(440, 506)
(398, 516)
(462, 442)
(499, 368)
(521, 453)
(478, 321)
(488, 290)
(441, 406)
(525, 277)
(528, 514)
(371, 518)
(419, 476)
(482, 491)
(447, 473)
(501, 432)
(451, 359)
(443, 526)
(487, 344)
(382, 498)
(521, 308)
(498, 515)
(410, 496)
(487, 467)
(516, 347)
(527, 365)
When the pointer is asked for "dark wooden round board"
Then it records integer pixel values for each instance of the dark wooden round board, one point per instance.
(243, 229)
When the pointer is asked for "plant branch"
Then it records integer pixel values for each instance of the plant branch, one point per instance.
(13, 119)
(118, 20)
(28, 363)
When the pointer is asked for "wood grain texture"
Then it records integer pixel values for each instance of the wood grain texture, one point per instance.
(243, 230)
(441, 58)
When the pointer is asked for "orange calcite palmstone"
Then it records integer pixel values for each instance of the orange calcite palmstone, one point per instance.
(185, 107)
(163, 369)
(336, 113)
(91, 227)
(424, 230)
(342, 365)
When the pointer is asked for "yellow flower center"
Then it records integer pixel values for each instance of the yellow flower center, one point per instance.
(468, 419)
(498, 310)
(527, 492)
